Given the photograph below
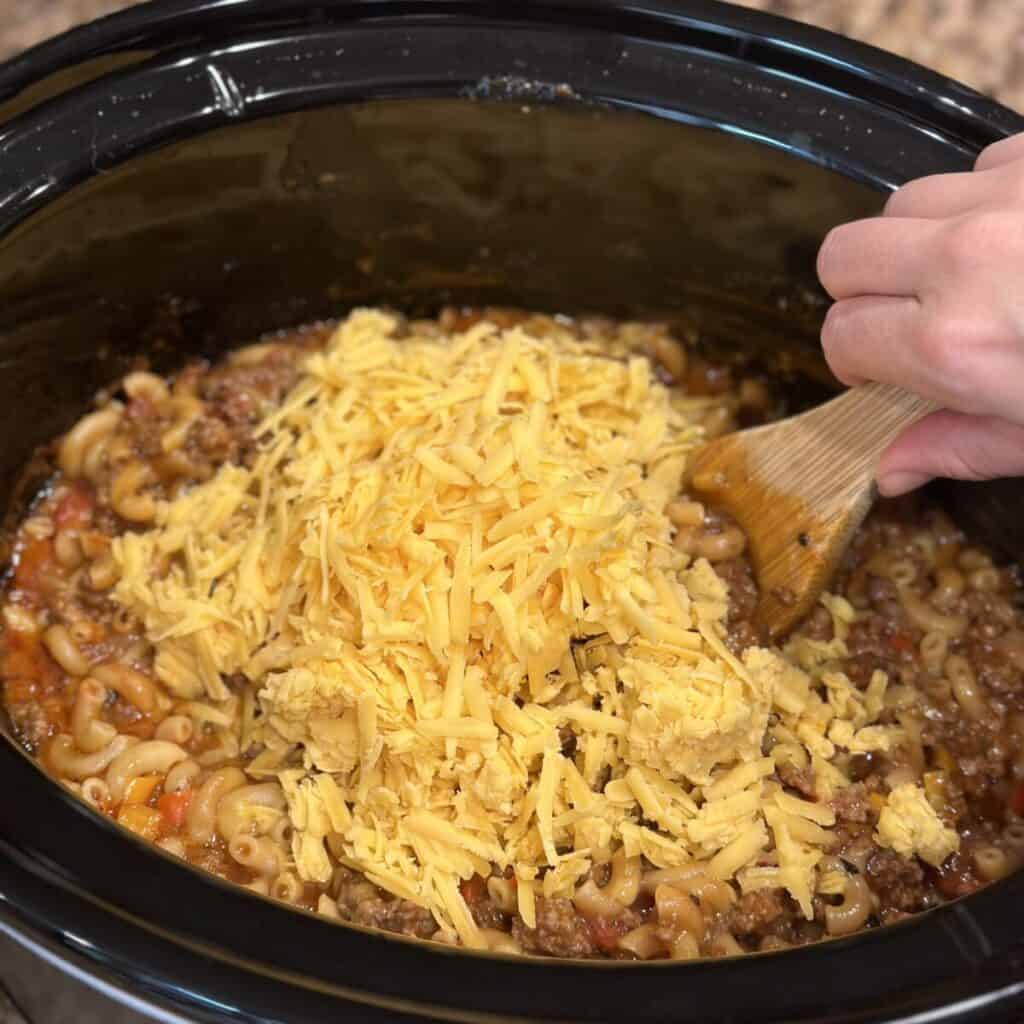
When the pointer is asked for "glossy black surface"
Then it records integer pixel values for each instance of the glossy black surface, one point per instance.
(199, 172)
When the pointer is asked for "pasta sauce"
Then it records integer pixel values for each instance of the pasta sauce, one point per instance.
(932, 633)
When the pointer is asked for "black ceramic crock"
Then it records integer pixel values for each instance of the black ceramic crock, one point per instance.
(180, 177)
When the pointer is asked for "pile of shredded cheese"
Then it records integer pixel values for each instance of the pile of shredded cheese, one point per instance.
(453, 551)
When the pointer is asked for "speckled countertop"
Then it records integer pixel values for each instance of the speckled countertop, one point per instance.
(980, 42)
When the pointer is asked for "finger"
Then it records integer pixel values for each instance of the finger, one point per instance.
(952, 445)
(880, 256)
(1002, 152)
(868, 338)
(942, 195)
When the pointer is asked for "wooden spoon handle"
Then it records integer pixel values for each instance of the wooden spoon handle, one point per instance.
(863, 421)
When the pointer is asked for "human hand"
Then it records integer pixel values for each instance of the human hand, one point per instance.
(930, 297)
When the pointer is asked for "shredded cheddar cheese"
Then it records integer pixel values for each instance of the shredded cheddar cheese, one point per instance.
(449, 553)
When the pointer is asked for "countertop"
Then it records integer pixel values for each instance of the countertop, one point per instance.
(980, 42)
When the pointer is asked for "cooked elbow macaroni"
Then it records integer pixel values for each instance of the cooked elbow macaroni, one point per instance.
(904, 687)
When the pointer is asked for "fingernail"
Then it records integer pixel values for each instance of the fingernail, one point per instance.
(892, 485)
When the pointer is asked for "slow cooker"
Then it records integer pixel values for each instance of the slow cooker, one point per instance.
(180, 177)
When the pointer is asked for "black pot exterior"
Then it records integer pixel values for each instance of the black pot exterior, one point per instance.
(179, 177)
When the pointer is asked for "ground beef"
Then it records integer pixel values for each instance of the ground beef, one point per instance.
(743, 596)
(800, 779)
(754, 913)
(739, 576)
(870, 645)
(214, 439)
(567, 741)
(819, 625)
(488, 914)
(852, 804)
(607, 931)
(401, 916)
(977, 748)
(990, 610)
(146, 427)
(853, 843)
(900, 884)
(237, 399)
(859, 668)
(560, 931)
(994, 669)
(881, 591)
(242, 394)
(362, 902)
(862, 765)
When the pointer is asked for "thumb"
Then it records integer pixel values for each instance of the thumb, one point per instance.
(954, 445)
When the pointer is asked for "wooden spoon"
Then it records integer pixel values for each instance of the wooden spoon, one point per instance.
(801, 487)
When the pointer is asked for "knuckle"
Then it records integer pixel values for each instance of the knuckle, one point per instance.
(963, 462)
(990, 155)
(1012, 186)
(969, 243)
(830, 257)
(960, 242)
(835, 334)
(939, 342)
(956, 348)
(896, 202)
(833, 327)
(901, 202)
(1001, 152)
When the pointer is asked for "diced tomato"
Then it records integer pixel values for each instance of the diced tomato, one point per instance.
(173, 807)
(606, 932)
(74, 509)
(33, 558)
(28, 672)
(1017, 800)
(473, 889)
(901, 642)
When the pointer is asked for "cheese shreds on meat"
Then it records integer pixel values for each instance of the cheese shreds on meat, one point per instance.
(450, 552)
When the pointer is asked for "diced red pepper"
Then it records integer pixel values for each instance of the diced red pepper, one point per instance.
(473, 889)
(173, 807)
(606, 932)
(901, 642)
(1017, 800)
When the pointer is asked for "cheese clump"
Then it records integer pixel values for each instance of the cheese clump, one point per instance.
(909, 825)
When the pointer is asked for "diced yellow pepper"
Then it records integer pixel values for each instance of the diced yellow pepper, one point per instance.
(140, 790)
(142, 820)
